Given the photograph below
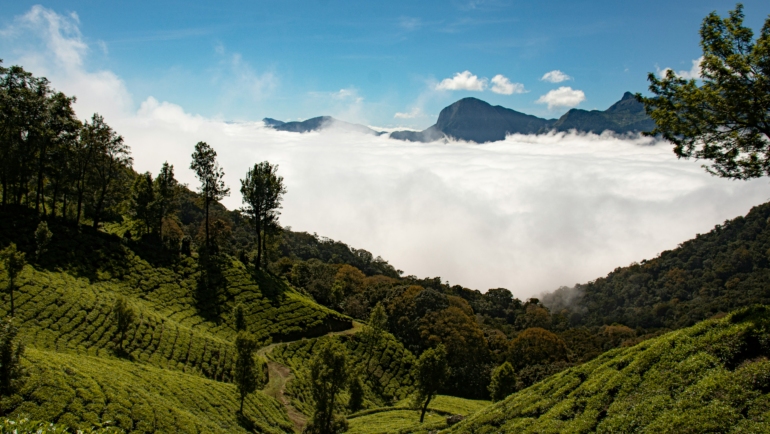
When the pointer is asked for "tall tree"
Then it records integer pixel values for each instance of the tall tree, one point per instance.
(328, 377)
(166, 192)
(11, 351)
(727, 118)
(212, 188)
(42, 239)
(110, 158)
(143, 201)
(430, 371)
(13, 262)
(262, 191)
(250, 372)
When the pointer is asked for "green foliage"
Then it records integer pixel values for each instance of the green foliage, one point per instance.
(11, 350)
(356, 391)
(726, 119)
(81, 392)
(385, 369)
(713, 273)
(262, 191)
(142, 201)
(24, 426)
(123, 316)
(537, 346)
(249, 375)
(712, 377)
(430, 372)
(239, 317)
(503, 382)
(210, 175)
(13, 261)
(328, 377)
(42, 238)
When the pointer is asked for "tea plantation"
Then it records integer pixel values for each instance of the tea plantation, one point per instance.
(175, 370)
(86, 391)
(712, 377)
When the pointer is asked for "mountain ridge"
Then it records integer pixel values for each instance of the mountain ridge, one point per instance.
(474, 120)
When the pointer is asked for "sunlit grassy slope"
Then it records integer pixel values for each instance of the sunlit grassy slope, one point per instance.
(712, 377)
(178, 361)
(85, 391)
(403, 419)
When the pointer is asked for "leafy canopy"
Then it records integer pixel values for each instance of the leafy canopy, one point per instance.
(727, 118)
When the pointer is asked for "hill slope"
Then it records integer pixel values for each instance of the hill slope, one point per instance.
(713, 377)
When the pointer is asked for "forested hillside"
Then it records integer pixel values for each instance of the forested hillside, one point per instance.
(712, 274)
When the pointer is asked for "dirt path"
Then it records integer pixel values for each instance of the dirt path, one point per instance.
(280, 375)
(276, 387)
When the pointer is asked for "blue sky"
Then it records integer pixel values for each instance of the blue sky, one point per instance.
(368, 61)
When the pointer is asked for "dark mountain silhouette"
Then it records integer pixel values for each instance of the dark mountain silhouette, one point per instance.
(477, 121)
(626, 115)
(316, 124)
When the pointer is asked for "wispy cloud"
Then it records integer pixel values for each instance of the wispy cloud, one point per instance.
(564, 96)
(555, 76)
(410, 23)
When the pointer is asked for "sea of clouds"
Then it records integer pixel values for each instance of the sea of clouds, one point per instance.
(530, 213)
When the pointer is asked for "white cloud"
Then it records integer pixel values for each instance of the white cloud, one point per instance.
(239, 79)
(463, 81)
(504, 86)
(564, 96)
(529, 213)
(555, 76)
(693, 73)
(411, 114)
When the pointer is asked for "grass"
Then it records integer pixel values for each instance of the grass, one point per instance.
(712, 377)
(85, 391)
(395, 421)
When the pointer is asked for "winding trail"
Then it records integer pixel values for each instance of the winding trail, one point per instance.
(280, 375)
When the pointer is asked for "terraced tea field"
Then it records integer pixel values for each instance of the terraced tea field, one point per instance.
(385, 369)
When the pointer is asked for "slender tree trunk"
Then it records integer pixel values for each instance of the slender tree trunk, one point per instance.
(242, 398)
(10, 286)
(425, 408)
(206, 204)
(39, 192)
(55, 196)
(257, 219)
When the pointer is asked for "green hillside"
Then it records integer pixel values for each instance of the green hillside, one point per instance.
(713, 377)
